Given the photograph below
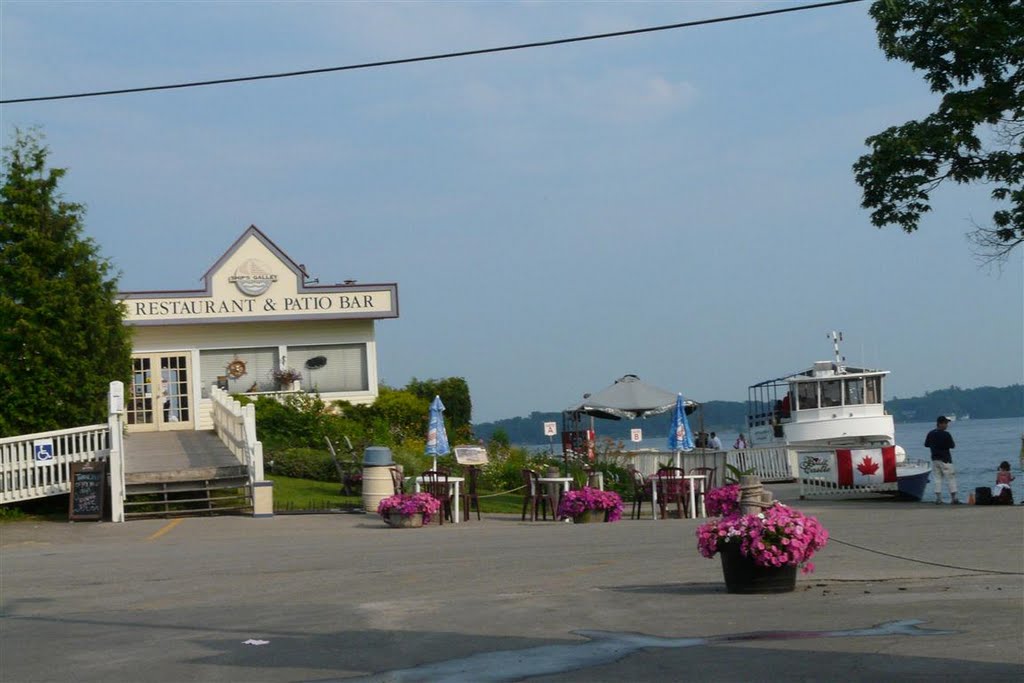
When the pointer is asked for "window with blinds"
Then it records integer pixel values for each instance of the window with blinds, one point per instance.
(332, 367)
(259, 364)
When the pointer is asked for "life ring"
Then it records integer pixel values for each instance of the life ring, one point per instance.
(236, 368)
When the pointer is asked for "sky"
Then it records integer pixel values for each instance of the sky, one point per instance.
(676, 205)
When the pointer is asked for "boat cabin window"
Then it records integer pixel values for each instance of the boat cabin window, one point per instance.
(873, 391)
(854, 391)
(831, 393)
(806, 395)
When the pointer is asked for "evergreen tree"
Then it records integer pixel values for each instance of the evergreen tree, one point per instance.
(62, 337)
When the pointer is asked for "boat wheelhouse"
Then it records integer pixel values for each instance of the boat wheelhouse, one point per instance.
(828, 404)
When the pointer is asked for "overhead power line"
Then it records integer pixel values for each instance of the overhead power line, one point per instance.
(429, 58)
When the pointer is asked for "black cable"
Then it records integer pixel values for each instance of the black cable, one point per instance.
(428, 58)
(911, 559)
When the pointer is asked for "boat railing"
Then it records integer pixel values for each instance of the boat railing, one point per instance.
(771, 464)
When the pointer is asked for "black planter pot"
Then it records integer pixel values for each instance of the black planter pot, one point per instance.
(743, 576)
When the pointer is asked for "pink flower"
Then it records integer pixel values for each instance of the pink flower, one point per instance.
(410, 504)
(575, 503)
(778, 536)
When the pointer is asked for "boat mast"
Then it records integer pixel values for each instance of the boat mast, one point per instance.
(837, 337)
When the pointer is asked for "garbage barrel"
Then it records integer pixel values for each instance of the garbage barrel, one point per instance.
(377, 486)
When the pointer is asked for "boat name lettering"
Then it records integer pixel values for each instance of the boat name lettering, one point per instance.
(815, 464)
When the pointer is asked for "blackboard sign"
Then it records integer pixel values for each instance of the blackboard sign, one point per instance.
(88, 481)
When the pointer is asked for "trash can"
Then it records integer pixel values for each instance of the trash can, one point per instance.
(377, 486)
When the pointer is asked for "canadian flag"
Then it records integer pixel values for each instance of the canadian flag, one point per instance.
(858, 467)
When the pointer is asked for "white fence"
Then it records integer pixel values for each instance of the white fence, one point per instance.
(23, 477)
(235, 424)
(770, 464)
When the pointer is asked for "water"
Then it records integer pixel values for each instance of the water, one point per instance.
(980, 446)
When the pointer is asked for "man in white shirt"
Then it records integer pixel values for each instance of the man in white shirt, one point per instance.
(715, 442)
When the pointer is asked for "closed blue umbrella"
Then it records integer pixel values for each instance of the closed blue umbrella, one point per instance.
(437, 437)
(679, 437)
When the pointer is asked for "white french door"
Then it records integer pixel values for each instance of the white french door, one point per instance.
(159, 398)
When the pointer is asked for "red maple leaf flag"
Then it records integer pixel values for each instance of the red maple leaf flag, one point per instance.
(866, 466)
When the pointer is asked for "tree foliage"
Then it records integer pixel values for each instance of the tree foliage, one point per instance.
(454, 393)
(971, 52)
(62, 337)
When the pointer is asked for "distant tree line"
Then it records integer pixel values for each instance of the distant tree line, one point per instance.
(982, 403)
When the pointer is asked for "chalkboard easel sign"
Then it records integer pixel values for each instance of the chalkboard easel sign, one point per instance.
(88, 482)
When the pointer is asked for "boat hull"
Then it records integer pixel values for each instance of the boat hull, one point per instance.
(912, 478)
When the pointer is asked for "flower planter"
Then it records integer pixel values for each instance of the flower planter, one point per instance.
(743, 576)
(592, 504)
(590, 517)
(399, 521)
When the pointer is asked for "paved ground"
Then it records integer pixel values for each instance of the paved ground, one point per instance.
(344, 597)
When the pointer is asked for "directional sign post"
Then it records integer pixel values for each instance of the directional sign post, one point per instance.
(550, 429)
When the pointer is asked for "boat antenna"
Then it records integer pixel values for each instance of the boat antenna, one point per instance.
(837, 337)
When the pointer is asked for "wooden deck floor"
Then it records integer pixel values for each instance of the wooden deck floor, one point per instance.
(175, 451)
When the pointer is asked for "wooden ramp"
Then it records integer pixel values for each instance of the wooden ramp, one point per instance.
(172, 474)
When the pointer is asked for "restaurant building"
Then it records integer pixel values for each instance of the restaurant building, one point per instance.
(258, 324)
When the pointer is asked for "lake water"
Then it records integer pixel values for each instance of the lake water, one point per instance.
(980, 446)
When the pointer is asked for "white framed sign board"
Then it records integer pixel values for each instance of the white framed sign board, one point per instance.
(636, 435)
(550, 429)
(471, 455)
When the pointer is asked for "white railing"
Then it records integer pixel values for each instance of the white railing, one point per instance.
(235, 424)
(648, 462)
(769, 464)
(115, 424)
(23, 477)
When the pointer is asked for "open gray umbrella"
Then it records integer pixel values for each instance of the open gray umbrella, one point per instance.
(628, 398)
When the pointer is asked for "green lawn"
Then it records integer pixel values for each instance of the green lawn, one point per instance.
(306, 494)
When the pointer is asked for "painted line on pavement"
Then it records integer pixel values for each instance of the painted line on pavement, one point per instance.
(165, 528)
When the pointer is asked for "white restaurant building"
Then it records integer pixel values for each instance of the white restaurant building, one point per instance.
(256, 315)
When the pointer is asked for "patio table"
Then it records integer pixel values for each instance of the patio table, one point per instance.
(694, 479)
(454, 484)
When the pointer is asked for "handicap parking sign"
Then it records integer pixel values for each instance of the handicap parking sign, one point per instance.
(43, 450)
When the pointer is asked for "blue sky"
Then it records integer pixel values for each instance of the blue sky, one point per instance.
(677, 205)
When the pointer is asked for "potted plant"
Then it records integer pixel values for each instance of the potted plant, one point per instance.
(760, 552)
(408, 510)
(286, 377)
(590, 505)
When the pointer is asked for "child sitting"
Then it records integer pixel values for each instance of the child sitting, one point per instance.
(1002, 494)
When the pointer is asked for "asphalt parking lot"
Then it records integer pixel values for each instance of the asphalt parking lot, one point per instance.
(904, 590)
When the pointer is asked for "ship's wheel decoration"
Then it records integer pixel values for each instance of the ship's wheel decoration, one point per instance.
(236, 368)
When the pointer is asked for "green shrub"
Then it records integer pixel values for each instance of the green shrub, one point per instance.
(304, 463)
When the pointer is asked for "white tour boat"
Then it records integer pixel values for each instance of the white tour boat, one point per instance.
(828, 407)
